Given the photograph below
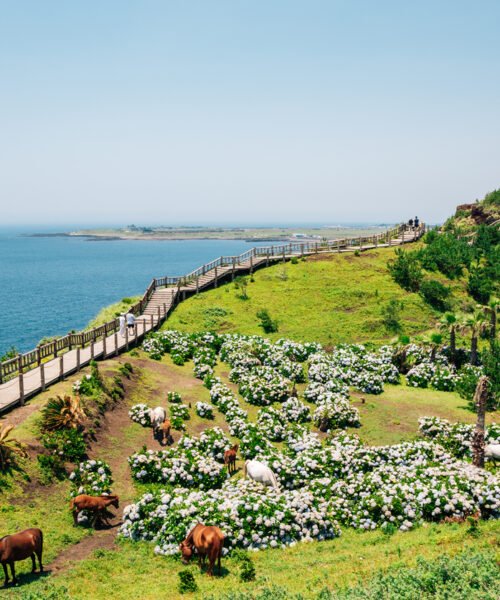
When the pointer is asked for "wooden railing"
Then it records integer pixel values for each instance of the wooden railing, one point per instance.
(34, 358)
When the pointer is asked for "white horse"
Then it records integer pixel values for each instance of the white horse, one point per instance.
(260, 472)
(492, 452)
(157, 417)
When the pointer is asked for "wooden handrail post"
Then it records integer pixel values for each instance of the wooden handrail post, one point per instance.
(21, 388)
(61, 368)
(267, 257)
(284, 259)
(126, 337)
(159, 315)
(19, 364)
(38, 357)
(251, 264)
(233, 268)
(338, 246)
(92, 346)
(78, 359)
(104, 345)
(197, 284)
(116, 343)
(55, 349)
(42, 377)
(215, 280)
(151, 321)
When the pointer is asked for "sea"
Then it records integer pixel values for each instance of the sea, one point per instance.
(52, 285)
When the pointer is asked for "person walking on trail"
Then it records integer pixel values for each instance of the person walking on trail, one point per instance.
(122, 322)
(130, 323)
(416, 222)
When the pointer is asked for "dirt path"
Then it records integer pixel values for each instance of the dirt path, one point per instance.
(115, 444)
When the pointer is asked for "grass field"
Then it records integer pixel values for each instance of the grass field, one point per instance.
(112, 311)
(329, 299)
(87, 565)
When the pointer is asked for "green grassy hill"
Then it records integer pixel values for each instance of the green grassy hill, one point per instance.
(330, 299)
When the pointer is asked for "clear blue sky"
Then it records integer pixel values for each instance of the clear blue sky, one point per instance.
(246, 111)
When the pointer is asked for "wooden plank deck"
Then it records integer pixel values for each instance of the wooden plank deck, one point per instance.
(159, 300)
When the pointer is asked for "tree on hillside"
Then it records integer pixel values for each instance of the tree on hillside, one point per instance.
(473, 324)
(449, 325)
(491, 312)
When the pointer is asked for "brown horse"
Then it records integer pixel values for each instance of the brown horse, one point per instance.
(95, 504)
(165, 431)
(230, 458)
(207, 541)
(20, 546)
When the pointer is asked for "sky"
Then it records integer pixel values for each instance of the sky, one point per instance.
(255, 111)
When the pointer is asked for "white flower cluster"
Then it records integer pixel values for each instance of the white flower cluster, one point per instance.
(205, 410)
(251, 516)
(212, 442)
(91, 477)
(139, 413)
(432, 374)
(294, 410)
(271, 423)
(456, 438)
(177, 466)
(335, 412)
(261, 385)
(178, 414)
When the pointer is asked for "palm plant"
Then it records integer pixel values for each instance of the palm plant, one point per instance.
(9, 447)
(449, 325)
(63, 412)
(491, 311)
(475, 325)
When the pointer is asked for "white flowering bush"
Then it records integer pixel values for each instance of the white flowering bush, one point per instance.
(456, 438)
(294, 410)
(178, 414)
(211, 442)
(262, 385)
(335, 412)
(174, 397)
(187, 467)
(91, 477)
(271, 423)
(250, 516)
(204, 410)
(139, 413)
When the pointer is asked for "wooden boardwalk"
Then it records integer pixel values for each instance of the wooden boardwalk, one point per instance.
(34, 371)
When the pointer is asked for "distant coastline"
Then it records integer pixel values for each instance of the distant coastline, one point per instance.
(249, 235)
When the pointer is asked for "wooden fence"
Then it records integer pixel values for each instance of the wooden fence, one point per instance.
(35, 358)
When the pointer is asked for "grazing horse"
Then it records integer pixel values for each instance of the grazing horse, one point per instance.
(230, 458)
(207, 541)
(19, 546)
(165, 431)
(157, 416)
(97, 505)
(260, 472)
(492, 452)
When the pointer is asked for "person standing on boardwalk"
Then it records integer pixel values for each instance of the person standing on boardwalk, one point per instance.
(130, 323)
(122, 321)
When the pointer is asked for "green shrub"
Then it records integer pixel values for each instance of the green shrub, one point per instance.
(246, 564)
(447, 254)
(391, 315)
(241, 284)
(480, 285)
(66, 444)
(187, 583)
(294, 260)
(126, 370)
(268, 324)
(435, 294)
(405, 270)
(51, 467)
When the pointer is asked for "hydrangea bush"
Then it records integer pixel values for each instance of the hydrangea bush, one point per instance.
(205, 410)
(139, 413)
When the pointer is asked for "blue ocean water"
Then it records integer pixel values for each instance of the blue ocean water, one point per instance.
(51, 285)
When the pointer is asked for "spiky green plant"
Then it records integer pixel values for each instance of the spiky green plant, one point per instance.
(9, 447)
(63, 412)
